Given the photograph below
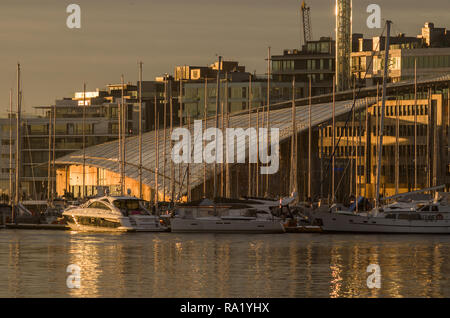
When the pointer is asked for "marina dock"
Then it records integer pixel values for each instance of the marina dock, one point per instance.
(24, 226)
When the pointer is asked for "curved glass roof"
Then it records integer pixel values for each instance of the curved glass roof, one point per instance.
(106, 155)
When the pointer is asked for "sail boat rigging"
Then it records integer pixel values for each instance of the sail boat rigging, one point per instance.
(336, 143)
(383, 107)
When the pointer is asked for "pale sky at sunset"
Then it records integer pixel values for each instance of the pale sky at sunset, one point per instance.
(114, 35)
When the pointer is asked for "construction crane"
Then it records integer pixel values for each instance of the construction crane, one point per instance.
(306, 14)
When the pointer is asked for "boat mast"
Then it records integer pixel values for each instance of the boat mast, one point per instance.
(217, 126)
(140, 130)
(334, 140)
(293, 187)
(383, 106)
(204, 141)
(84, 140)
(397, 146)
(19, 97)
(377, 131)
(352, 153)
(428, 139)
(257, 151)
(172, 165)
(180, 102)
(434, 121)
(366, 148)
(164, 146)
(222, 124)
(358, 157)
(268, 115)
(227, 123)
(119, 132)
(188, 168)
(415, 124)
(221, 164)
(124, 117)
(249, 126)
(309, 142)
(49, 167)
(53, 155)
(10, 148)
(156, 153)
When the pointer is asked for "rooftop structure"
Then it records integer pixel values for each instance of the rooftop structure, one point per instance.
(435, 37)
(189, 72)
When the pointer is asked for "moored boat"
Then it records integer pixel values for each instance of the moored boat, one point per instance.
(109, 213)
(416, 217)
(227, 216)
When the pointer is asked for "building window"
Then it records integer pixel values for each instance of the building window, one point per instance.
(7, 128)
(7, 142)
(38, 129)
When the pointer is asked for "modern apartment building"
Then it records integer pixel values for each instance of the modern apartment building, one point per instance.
(236, 95)
(430, 50)
(316, 61)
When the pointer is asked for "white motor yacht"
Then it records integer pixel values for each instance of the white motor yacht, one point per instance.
(415, 217)
(109, 213)
(227, 216)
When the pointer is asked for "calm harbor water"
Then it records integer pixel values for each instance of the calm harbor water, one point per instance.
(34, 264)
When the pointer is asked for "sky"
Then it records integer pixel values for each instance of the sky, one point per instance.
(115, 35)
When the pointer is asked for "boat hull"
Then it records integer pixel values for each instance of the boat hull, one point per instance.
(334, 222)
(125, 224)
(180, 225)
(89, 228)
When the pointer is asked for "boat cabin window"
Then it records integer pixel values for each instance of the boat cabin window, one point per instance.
(130, 207)
(251, 212)
(35, 209)
(201, 213)
(426, 208)
(98, 205)
(435, 208)
(409, 216)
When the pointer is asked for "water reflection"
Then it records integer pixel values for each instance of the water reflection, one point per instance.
(34, 263)
(336, 272)
(13, 269)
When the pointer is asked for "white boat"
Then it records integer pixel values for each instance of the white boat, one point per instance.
(43, 212)
(229, 216)
(109, 213)
(416, 217)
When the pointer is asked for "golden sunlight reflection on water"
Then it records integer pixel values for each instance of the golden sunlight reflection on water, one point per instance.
(34, 263)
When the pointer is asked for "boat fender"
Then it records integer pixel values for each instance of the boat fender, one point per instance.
(439, 217)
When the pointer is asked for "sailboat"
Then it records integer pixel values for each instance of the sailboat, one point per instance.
(413, 217)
